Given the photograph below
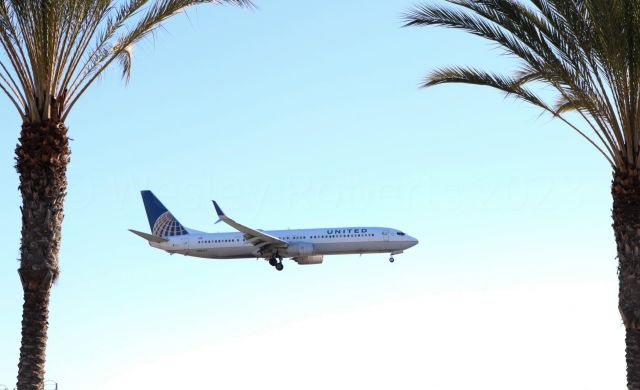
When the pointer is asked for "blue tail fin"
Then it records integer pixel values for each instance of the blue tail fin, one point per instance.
(161, 221)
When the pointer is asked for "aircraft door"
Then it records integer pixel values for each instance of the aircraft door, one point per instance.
(385, 235)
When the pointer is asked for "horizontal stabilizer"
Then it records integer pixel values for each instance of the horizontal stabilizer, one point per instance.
(149, 237)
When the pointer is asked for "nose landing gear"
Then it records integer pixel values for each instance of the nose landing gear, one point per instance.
(391, 259)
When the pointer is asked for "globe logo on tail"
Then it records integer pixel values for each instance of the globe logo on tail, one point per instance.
(166, 225)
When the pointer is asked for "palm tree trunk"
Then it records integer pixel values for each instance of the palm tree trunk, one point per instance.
(42, 156)
(626, 225)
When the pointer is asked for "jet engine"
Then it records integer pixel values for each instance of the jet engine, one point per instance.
(300, 249)
(304, 260)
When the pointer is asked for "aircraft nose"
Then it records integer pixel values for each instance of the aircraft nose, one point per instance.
(412, 241)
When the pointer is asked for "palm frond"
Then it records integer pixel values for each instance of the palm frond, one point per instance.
(586, 50)
(51, 51)
(511, 87)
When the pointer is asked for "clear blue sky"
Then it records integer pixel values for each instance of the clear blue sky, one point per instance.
(307, 114)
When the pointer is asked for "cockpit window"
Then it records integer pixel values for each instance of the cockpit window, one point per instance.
(400, 233)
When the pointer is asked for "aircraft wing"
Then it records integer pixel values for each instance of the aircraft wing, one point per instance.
(255, 237)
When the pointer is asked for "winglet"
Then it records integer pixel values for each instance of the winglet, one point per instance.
(219, 211)
(249, 233)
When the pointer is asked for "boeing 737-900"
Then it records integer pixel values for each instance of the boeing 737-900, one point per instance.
(304, 246)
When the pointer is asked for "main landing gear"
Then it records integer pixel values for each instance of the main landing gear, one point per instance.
(276, 262)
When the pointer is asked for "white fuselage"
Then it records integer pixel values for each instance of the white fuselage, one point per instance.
(302, 242)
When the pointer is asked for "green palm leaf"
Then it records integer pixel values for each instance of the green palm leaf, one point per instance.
(586, 50)
(53, 50)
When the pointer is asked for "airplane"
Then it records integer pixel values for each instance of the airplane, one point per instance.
(304, 246)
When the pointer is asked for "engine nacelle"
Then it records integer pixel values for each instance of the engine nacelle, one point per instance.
(317, 259)
(299, 249)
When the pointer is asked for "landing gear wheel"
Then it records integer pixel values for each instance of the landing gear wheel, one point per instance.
(279, 266)
(273, 261)
(391, 259)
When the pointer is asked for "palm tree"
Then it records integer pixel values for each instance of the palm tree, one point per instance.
(53, 51)
(588, 52)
